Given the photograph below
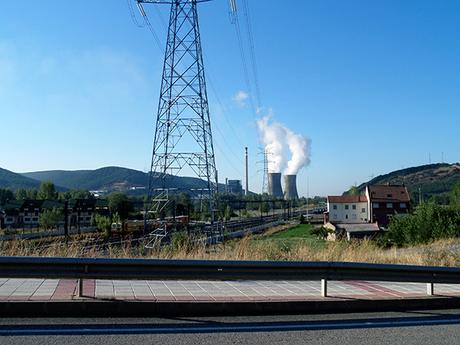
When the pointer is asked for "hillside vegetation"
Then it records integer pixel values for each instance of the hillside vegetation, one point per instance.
(11, 180)
(110, 179)
(434, 180)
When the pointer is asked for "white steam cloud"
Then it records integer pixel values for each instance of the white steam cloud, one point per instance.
(277, 139)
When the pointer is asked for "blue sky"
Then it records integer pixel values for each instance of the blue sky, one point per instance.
(374, 84)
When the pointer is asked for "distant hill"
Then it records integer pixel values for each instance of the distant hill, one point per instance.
(110, 179)
(11, 180)
(434, 180)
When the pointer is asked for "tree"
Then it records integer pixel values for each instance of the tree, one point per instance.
(32, 194)
(119, 203)
(455, 196)
(47, 191)
(103, 224)
(353, 190)
(21, 194)
(75, 194)
(264, 207)
(50, 218)
(5, 195)
(24, 194)
(228, 213)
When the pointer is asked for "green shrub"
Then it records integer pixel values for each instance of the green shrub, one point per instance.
(429, 222)
(180, 241)
(321, 232)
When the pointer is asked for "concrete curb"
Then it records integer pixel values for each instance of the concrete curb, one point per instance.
(115, 308)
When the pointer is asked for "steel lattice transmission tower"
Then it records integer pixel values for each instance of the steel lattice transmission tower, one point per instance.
(183, 138)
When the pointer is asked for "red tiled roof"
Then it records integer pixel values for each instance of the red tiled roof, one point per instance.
(389, 193)
(347, 198)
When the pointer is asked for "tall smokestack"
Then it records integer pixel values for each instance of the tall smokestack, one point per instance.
(274, 185)
(247, 172)
(290, 187)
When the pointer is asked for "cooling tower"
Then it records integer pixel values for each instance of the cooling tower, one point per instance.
(290, 187)
(274, 185)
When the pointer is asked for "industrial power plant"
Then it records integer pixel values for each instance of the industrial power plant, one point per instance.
(290, 186)
(278, 140)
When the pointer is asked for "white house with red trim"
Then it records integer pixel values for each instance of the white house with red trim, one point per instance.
(348, 209)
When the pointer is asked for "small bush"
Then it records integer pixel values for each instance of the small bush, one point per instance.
(181, 242)
(321, 232)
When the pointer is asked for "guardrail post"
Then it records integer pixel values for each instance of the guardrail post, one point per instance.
(80, 287)
(430, 289)
(80, 283)
(324, 287)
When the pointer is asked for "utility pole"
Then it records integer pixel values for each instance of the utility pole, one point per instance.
(66, 219)
(308, 196)
(247, 171)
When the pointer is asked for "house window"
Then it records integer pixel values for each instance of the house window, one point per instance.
(334, 207)
(9, 219)
(375, 205)
(334, 216)
(346, 216)
(389, 205)
(353, 207)
(346, 207)
(403, 205)
(35, 219)
(27, 219)
(363, 210)
(389, 195)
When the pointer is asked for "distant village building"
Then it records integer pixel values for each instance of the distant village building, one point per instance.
(358, 216)
(23, 214)
(26, 213)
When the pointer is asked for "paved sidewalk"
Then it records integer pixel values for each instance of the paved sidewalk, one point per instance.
(218, 291)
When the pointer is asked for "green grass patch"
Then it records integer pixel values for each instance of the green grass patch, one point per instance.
(298, 235)
(299, 231)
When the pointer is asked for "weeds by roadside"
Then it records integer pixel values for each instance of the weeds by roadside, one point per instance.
(439, 253)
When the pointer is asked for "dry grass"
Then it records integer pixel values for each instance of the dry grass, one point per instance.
(440, 253)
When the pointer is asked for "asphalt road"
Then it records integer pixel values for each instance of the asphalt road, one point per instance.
(423, 327)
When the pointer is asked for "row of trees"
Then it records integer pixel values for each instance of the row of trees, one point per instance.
(46, 191)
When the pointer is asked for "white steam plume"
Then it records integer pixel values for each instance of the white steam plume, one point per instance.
(277, 139)
(300, 152)
(273, 136)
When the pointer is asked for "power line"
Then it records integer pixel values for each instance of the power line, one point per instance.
(149, 26)
(247, 15)
(133, 14)
(235, 21)
(223, 109)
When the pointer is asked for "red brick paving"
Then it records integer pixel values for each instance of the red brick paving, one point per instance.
(377, 290)
(66, 289)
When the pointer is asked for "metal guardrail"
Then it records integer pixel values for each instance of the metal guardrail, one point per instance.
(152, 269)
